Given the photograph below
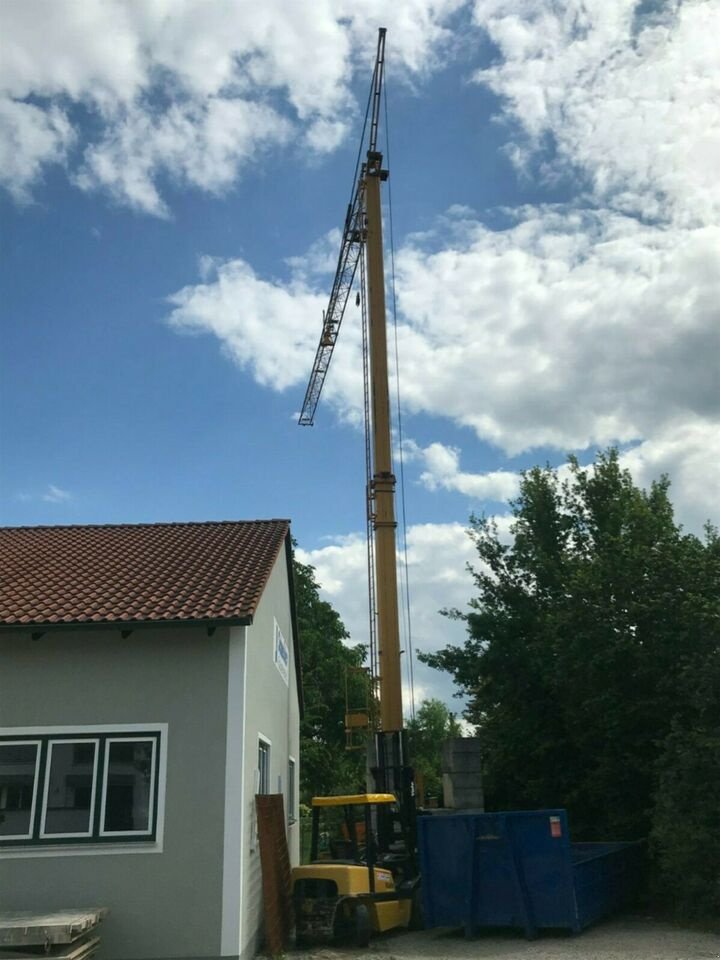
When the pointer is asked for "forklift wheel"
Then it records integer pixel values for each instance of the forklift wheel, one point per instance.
(363, 927)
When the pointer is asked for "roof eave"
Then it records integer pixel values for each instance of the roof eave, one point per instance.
(44, 626)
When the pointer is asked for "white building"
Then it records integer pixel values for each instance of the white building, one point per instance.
(150, 687)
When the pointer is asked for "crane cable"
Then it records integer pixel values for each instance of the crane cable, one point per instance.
(406, 607)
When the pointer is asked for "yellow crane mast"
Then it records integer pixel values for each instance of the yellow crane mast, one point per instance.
(362, 876)
(362, 234)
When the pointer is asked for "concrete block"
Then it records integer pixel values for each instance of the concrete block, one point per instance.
(462, 774)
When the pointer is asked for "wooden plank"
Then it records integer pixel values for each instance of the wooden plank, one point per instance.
(25, 928)
(81, 950)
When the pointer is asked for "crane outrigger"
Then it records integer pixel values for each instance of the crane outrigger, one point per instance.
(366, 878)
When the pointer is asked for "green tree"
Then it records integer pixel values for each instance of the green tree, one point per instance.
(582, 628)
(431, 726)
(685, 840)
(326, 767)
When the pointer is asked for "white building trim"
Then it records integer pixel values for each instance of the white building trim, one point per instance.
(232, 901)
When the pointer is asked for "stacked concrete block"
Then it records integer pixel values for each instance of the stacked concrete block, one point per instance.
(462, 774)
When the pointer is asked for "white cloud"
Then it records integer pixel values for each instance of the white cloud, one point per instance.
(419, 31)
(55, 494)
(185, 88)
(689, 453)
(627, 91)
(30, 137)
(271, 328)
(266, 327)
(437, 555)
(321, 258)
(566, 330)
(200, 144)
(443, 471)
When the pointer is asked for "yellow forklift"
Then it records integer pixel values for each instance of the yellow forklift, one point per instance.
(361, 880)
(363, 875)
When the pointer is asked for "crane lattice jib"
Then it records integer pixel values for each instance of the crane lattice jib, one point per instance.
(350, 249)
(377, 82)
(352, 244)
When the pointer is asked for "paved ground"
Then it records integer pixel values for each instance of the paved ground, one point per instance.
(624, 939)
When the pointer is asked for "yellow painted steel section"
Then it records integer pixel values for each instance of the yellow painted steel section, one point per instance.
(352, 880)
(391, 914)
(348, 799)
(383, 479)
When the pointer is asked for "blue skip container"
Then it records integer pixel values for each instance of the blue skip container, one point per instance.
(519, 869)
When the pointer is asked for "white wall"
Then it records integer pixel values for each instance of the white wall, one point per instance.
(176, 676)
(271, 711)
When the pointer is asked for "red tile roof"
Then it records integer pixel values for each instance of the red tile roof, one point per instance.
(136, 573)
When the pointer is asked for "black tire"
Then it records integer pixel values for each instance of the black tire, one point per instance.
(342, 926)
(362, 926)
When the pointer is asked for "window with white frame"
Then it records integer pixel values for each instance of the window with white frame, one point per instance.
(291, 791)
(79, 787)
(263, 766)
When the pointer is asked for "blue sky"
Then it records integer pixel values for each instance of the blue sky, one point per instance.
(172, 177)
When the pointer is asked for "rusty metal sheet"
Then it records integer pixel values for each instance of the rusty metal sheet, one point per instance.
(275, 860)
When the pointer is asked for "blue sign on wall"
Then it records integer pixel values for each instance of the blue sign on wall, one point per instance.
(281, 654)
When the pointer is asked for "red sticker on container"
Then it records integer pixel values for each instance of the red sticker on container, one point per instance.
(555, 827)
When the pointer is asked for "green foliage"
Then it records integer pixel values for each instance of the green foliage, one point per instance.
(326, 767)
(585, 634)
(685, 840)
(433, 723)
(686, 824)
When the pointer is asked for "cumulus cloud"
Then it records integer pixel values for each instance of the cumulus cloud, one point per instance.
(689, 453)
(193, 90)
(628, 93)
(565, 330)
(30, 138)
(270, 327)
(437, 555)
(202, 145)
(266, 327)
(442, 472)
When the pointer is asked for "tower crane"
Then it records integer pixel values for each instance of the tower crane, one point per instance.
(362, 235)
(367, 879)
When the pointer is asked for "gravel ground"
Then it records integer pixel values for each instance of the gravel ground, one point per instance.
(623, 939)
